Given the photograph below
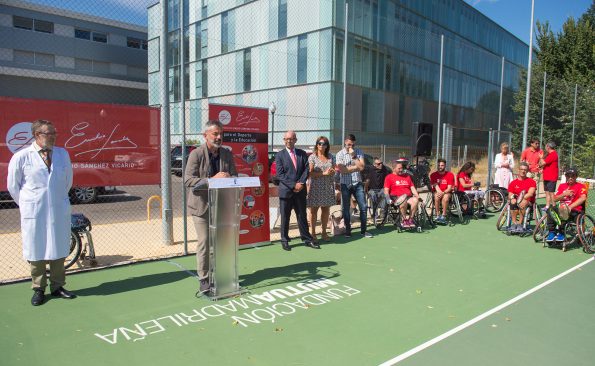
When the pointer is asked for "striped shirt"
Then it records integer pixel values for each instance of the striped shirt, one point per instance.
(344, 158)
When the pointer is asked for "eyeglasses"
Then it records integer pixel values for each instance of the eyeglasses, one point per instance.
(47, 133)
(322, 143)
(290, 139)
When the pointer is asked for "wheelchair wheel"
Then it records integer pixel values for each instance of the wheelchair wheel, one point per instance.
(540, 231)
(494, 200)
(75, 250)
(586, 233)
(570, 234)
(502, 220)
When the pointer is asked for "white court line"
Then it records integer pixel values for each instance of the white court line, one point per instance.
(480, 317)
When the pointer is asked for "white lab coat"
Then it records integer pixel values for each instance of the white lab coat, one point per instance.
(43, 202)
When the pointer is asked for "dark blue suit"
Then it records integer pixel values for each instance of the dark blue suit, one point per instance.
(288, 176)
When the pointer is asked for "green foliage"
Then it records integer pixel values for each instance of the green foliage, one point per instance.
(569, 59)
(194, 142)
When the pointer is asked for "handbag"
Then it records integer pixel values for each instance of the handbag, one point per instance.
(336, 223)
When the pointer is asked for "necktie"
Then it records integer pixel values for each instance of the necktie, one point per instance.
(293, 158)
(45, 155)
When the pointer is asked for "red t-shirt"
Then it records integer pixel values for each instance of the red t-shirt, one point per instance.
(466, 179)
(442, 180)
(398, 184)
(532, 157)
(519, 185)
(550, 169)
(578, 190)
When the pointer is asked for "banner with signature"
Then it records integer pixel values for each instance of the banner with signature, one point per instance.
(245, 133)
(109, 144)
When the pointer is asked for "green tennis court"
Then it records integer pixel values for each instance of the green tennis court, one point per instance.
(357, 302)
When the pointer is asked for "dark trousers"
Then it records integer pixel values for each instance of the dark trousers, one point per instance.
(297, 202)
(356, 191)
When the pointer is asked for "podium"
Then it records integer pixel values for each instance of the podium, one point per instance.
(225, 208)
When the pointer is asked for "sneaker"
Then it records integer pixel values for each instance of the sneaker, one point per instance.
(551, 237)
(348, 234)
(544, 209)
(367, 235)
(560, 237)
(442, 220)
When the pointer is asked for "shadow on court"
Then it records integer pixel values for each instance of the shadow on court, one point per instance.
(133, 283)
(298, 272)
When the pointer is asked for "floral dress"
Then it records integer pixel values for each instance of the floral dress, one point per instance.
(322, 189)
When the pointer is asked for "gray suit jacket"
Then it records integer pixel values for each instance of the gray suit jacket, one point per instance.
(197, 172)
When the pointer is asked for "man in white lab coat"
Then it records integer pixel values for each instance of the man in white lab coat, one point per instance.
(39, 178)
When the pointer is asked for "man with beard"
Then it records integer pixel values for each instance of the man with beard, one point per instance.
(207, 161)
(443, 183)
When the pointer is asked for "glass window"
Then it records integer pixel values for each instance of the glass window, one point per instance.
(43, 26)
(174, 84)
(302, 66)
(101, 67)
(204, 34)
(198, 41)
(186, 44)
(205, 79)
(82, 34)
(173, 48)
(22, 22)
(282, 19)
(247, 70)
(133, 42)
(99, 37)
(173, 15)
(144, 44)
(225, 32)
(23, 57)
(83, 65)
(44, 59)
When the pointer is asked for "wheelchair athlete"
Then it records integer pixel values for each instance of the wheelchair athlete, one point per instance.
(443, 183)
(398, 184)
(572, 196)
(521, 195)
(466, 185)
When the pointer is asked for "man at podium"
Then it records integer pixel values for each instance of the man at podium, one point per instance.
(207, 161)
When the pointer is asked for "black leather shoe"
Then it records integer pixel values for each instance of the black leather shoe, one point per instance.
(285, 246)
(38, 297)
(63, 293)
(312, 245)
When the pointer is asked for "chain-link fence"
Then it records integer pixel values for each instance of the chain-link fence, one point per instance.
(289, 53)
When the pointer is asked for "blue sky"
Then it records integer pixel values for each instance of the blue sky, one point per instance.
(513, 15)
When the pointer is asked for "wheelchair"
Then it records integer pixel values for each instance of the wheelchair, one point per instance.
(495, 198)
(458, 205)
(532, 213)
(80, 226)
(392, 214)
(580, 230)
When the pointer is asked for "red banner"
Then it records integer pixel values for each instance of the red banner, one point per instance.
(245, 133)
(109, 144)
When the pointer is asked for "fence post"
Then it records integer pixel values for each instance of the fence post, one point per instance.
(490, 157)
(459, 155)
(464, 154)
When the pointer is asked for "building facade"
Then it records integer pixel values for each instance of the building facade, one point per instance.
(50, 53)
(290, 52)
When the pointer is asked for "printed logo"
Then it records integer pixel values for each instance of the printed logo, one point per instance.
(19, 136)
(224, 117)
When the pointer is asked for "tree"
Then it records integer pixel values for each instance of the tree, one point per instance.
(569, 59)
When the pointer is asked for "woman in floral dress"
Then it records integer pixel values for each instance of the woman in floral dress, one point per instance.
(321, 192)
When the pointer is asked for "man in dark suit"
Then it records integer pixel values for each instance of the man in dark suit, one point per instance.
(292, 172)
(207, 161)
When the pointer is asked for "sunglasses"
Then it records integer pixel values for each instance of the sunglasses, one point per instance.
(378, 163)
(322, 143)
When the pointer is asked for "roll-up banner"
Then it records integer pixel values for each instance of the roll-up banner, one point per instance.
(245, 134)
